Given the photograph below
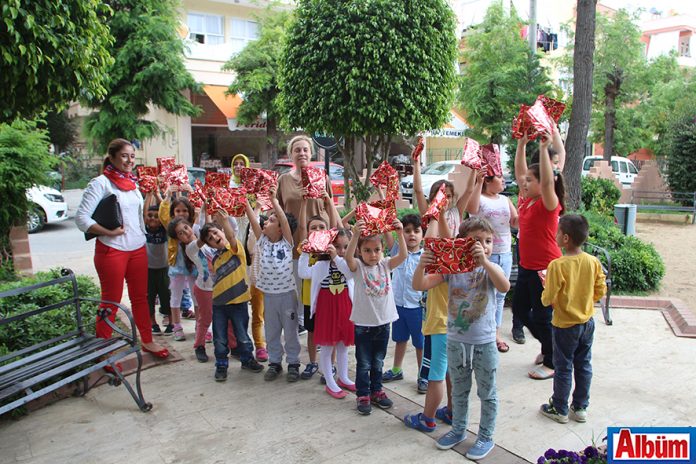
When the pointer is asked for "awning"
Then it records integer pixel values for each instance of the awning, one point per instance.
(228, 105)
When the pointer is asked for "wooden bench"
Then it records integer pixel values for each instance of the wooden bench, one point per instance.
(666, 201)
(32, 372)
(599, 252)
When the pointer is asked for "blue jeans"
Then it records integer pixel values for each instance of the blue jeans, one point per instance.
(572, 354)
(503, 260)
(482, 360)
(370, 350)
(239, 315)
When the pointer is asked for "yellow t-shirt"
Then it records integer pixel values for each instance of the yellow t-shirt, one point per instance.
(573, 284)
(436, 310)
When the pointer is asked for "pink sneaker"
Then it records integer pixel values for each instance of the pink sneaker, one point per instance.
(261, 355)
(209, 337)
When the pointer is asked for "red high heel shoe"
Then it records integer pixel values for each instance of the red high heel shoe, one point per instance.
(161, 354)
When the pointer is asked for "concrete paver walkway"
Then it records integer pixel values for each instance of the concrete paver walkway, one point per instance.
(642, 376)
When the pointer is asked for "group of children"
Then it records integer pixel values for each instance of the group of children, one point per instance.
(357, 296)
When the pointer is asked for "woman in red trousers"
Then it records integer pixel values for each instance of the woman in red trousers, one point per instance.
(120, 253)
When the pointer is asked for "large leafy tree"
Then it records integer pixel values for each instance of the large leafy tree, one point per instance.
(499, 72)
(52, 51)
(367, 70)
(256, 77)
(148, 70)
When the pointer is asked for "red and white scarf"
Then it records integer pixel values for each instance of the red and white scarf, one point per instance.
(123, 180)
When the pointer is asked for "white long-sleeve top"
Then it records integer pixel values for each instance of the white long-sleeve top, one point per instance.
(317, 272)
(131, 203)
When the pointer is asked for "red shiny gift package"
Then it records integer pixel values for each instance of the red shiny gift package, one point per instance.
(319, 241)
(197, 197)
(178, 175)
(387, 176)
(420, 144)
(491, 160)
(436, 206)
(314, 180)
(452, 255)
(165, 165)
(217, 179)
(147, 171)
(377, 220)
(471, 158)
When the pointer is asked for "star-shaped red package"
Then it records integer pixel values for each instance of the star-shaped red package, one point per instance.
(452, 255)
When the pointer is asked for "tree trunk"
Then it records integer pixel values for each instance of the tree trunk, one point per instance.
(582, 99)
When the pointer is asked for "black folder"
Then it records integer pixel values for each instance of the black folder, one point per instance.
(107, 214)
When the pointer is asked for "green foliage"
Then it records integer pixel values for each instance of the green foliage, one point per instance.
(356, 67)
(148, 71)
(499, 73)
(636, 266)
(681, 148)
(36, 329)
(24, 162)
(53, 51)
(599, 195)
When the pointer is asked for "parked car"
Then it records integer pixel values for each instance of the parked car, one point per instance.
(47, 206)
(335, 174)
(431, 174)
(623, 168)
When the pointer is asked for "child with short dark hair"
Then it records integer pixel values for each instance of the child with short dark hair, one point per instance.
(471, 333)
(573, 283)
(408, 301)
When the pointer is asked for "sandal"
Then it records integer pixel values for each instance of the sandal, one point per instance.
(502, 346)
(541, 373)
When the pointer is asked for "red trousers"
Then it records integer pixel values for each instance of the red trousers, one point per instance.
(113, 267)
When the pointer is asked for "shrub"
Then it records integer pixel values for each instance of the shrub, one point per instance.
(47, 325)
(599, 195)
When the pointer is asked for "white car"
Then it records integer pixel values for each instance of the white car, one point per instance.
(623, 168)
(46, 206)
(431, 174)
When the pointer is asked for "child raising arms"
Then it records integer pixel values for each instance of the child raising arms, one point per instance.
(470, 335)
(373, 310)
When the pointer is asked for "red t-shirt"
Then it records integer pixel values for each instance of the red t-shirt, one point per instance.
(537, 237)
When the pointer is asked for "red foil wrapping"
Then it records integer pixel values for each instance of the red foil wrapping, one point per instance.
(197, 197)
(178, 175)
(491, 159)
(165, 165)
(387, 176)
(471, 157)
(319, 241)
(452, 255)
(314, 180)
(147, 183)
(147, 171)
(377, 220)
(217, 179)
(415, 155)
(439, 202)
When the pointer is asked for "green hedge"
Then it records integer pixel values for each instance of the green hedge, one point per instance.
(35, 329)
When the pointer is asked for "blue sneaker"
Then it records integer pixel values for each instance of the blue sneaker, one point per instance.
(450, 440)
(444, 414)
(480, 450)
(390, 376)
(416, 421)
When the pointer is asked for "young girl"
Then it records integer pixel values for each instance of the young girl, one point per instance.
(373, 311)
(502, 214)
(470, 335)
(182, 272)
(331, 305)
(540, 205)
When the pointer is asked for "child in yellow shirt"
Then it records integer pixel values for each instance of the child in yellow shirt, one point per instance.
(573, 283)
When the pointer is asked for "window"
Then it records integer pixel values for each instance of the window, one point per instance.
(205, 29)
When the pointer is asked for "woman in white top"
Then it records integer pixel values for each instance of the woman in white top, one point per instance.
(120, 253)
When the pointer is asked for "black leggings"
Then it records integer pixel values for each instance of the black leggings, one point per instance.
(527, 307)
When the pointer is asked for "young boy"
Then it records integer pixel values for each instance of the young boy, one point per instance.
(273, 275)
(573, 283)
(230, 294)
(157, 267)
(471, 332)
(408, 301)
